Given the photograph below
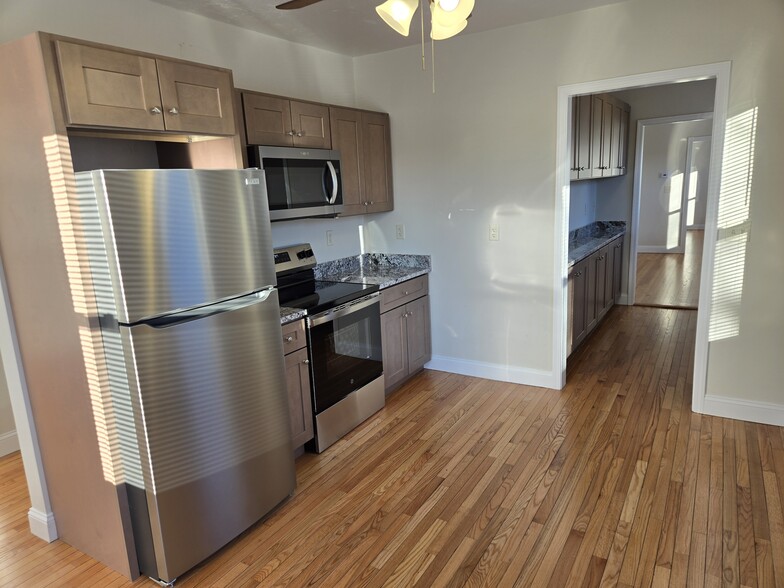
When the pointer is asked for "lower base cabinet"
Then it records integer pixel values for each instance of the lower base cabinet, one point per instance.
(405, 330)
(593, 286)
(298, 384)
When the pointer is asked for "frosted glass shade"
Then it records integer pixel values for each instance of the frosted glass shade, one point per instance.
(398, 14)
(439, 32)
(452, 18)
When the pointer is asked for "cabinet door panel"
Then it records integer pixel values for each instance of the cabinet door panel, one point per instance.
(394, 346)
(300, 407)
(584, 140)
(267, 120)
(615, 141)
(574, 172)
(377, 161)
(597, 108)
(601, 297)
(623, 141)
(591, 316)
(346, 133)
(310, 123)
(606, 157)
(578, 301)
(196, 99)
(418, 333)
(109, 88)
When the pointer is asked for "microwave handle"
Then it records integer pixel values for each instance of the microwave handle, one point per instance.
(333, 173)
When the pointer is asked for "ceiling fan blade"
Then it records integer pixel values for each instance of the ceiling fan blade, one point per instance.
(292, 4)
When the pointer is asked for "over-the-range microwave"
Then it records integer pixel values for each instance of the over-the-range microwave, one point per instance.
(301, 183)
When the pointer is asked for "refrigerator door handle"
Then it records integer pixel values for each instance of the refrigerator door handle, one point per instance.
(178, 318)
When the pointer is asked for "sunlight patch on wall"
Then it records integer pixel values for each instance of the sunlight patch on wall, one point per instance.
(733, 225)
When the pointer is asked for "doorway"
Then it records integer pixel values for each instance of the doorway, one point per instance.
(669, 204)
(720, 72)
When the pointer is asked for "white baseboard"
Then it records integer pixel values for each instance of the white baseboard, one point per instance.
(9, 442)
(492, 371)
(623, 300)
(657, 249)
(744, 410)
(42, 525)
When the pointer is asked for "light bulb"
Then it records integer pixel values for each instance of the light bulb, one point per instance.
(448, 5)
(400, 11)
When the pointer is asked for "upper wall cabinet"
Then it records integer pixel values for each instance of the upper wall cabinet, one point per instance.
(107, 88)
(600, 137)
(272, 120)
(363, 139)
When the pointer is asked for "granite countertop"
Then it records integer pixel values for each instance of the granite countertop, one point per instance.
(590, 238)
(382, 269)
(288, 315)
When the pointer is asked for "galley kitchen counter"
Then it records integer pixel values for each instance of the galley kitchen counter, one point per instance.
(590, 238)
(383, 269)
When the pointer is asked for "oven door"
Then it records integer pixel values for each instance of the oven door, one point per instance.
(345, 346)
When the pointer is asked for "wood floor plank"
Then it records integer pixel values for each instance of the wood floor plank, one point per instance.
(460, 481)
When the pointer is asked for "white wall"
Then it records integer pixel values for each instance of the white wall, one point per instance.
(662, 198)
(582, 203)
(8, 440)
(482, 150)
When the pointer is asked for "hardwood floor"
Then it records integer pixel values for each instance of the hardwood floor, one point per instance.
(671, 280)
(467, 482)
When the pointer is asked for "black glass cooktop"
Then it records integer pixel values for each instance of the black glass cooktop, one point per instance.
(318, 295)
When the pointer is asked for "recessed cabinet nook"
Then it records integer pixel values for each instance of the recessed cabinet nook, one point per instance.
(71, 105)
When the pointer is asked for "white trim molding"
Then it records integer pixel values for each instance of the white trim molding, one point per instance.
(494, 371)
(657, 249)
(9, 442)
(42, 524)
(744, 410)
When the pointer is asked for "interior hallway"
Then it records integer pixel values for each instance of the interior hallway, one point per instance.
(671, 280)
(462, 481)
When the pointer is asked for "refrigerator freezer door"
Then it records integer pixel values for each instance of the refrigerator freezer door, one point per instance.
(209, 397)
(177, 238)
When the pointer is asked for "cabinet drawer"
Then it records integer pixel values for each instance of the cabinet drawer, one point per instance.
(402, 293)
(293, 336)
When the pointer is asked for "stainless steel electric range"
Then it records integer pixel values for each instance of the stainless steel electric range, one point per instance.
(344, 343)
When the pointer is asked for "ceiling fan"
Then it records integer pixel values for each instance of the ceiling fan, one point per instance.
(292, 4)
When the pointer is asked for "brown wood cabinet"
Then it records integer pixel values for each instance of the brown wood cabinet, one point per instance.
(593, 287)
(112, 88)
(581, 138)
(405, 331)
(600, 136)
(298, 383)
(275, 120)
(363, 139)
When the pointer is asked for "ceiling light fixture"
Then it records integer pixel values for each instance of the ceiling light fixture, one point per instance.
(447, 19)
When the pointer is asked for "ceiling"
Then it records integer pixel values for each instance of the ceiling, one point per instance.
(351, 27)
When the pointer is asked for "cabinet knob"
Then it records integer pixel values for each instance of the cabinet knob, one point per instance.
(405, 292)
(155, 110)
(581, 168)
(371, 203)
(290, 133)
(300, 133)
(305, 361)
(173, 110)
(289, 339)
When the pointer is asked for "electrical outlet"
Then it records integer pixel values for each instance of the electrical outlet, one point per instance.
(330, 243)
(400, 231)
(495, 232)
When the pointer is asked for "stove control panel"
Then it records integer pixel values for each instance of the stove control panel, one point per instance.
(294, 258)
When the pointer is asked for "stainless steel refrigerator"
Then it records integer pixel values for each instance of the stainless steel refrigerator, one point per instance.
(191, 363)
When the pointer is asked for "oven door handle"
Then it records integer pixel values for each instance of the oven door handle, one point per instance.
(343, 310)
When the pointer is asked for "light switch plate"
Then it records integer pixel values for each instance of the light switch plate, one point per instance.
(400, 231)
